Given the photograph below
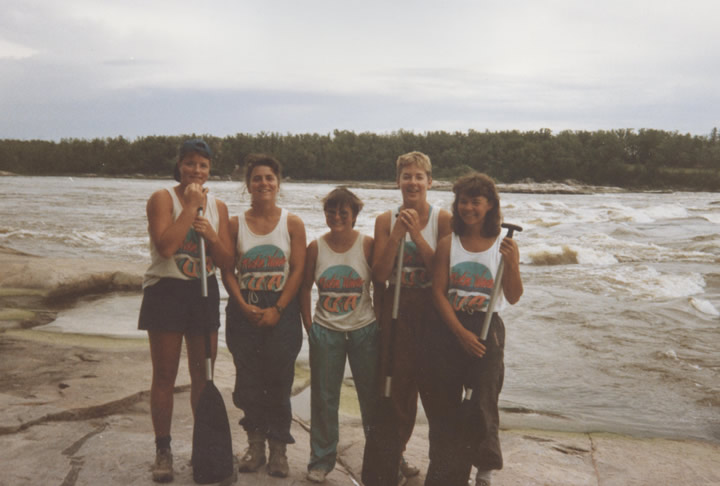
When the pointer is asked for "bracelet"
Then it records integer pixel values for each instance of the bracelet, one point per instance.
(279, 308)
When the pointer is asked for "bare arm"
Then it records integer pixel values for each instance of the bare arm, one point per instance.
(377, 287)
(166, 234)
(307, 284)
(444, 224)
(511, 279)
(468, 340)
(386, 247)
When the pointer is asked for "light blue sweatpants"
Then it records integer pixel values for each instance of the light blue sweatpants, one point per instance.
(328, 350)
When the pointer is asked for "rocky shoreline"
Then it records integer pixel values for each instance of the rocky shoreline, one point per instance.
(74, 409)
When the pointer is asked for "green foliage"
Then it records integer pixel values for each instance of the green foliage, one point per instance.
(623, 157)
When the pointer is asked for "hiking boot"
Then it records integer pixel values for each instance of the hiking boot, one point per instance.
(407, 469)
(162, 470)
(278, 465)
(254, 455)
(316, 475)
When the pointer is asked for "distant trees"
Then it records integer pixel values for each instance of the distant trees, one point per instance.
(645, 158)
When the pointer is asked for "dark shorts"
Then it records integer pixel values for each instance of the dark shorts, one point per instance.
(175, 305)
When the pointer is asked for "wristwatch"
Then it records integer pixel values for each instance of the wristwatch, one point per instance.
(279, 308)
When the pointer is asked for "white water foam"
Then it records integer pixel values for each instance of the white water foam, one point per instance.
(643, 281)
(666, 211)
(712, 217)
(704, 306)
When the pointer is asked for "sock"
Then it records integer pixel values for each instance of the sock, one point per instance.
(162, 442)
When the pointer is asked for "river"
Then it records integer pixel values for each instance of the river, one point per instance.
(618, 329)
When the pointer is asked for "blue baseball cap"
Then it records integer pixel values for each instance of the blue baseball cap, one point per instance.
(195, 145)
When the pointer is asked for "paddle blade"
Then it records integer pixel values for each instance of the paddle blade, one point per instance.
(381, 458)
(212, 456)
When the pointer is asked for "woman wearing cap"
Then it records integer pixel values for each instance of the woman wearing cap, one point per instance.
(344, 325)
(264, 333)
(172, 308)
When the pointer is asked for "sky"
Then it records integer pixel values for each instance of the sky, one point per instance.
(95, 68)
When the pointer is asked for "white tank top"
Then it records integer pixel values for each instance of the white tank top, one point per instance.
(472, 276)
(343, 281)
(264, 262)
(415, 274)
(185, 263)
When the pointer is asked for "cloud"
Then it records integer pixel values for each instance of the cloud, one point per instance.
(86, 68)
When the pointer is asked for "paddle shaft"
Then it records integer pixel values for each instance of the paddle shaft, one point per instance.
(497, 284)
(393, 324)
(204, 290)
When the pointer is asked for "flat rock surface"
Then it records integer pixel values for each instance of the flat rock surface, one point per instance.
(74, 410)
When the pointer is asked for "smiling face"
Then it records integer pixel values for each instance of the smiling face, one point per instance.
(340, 218)
(476, 201)
(263, 184)
(413, 183)
(472, 209)
(194, 169)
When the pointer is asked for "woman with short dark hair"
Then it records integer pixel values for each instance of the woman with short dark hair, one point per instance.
(343, 327)
(172, 306)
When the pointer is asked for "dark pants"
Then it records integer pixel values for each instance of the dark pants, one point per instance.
(465, 434)
(410, 364)
(265, 366)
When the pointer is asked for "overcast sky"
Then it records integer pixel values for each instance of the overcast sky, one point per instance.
(95, 68)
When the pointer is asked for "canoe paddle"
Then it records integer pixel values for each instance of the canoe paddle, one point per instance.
(212, 456)
(381, 458)
(470, 415)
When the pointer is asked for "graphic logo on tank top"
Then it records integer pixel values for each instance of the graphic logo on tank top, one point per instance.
(263, 268)
(187, 258)
(414, 272)
(340, 288)
(470, 286)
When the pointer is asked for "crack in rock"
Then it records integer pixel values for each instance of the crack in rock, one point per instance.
(92, 412)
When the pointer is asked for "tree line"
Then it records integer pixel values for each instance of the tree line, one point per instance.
(645, 158)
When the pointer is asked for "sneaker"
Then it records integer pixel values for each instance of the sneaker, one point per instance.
(316, 475)
(407, 469)
(162, 470)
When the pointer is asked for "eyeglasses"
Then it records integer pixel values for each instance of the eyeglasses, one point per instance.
(343, 214)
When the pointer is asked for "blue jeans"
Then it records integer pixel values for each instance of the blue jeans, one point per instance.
(328, 350)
